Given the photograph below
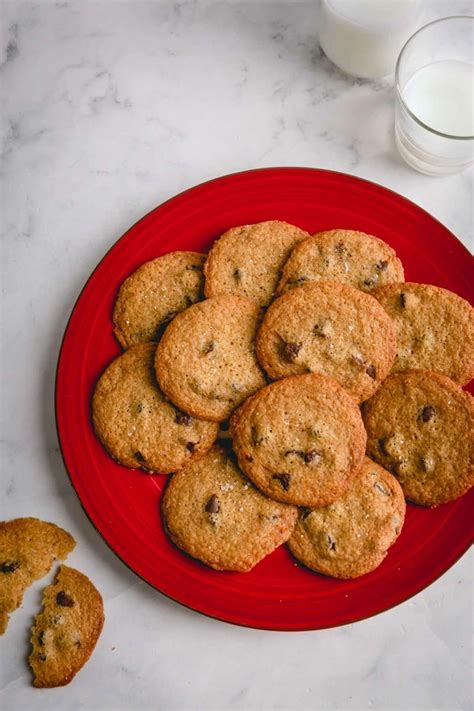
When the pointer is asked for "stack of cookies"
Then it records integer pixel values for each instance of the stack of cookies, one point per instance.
(333, 387)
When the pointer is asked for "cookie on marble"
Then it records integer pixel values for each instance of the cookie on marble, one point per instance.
(435, 329)
(351, 536)
(66, 630)
(28, 548)
(216, 515)
(137, 425)
(206, 362)
(150, 297)
(345, 256)
(331, 329)
(247, 260)
(301, 440)
(420, 426)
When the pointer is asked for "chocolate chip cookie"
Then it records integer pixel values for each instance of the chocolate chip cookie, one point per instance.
(247, 260)
(215, 514)
(155, 293)
(351, 536)
(205, 362)
(135, 422)
(345, 256)
(28, 548)
(331, 329)
(420, 426)
(300, 440)
(66, 630)
(435, 329)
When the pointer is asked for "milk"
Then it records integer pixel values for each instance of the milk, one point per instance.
(441, 95)
(364, 37)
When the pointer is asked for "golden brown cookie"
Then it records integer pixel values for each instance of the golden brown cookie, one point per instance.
(300, 440)
(205, 362)
(135, 422)
(66, 630)
(28, 548)
(435, 329)
(151, 296)
(215, 514)
(345, 256)
(420, 426)
(351, 536)
(247, 261)
(331, 329)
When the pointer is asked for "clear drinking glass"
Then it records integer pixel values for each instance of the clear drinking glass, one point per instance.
(434, 103)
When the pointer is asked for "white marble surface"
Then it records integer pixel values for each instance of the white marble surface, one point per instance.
(107, 109)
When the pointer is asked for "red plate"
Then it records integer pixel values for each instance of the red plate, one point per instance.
(124, 504)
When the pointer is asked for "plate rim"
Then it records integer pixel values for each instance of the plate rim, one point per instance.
(228, 176)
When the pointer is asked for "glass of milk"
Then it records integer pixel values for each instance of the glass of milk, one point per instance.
(364, 37)
(434, 104)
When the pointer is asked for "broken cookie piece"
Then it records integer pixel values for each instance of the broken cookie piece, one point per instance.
(66, 630)
(28, 548)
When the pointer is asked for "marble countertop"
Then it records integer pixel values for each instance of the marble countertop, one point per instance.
(109, 108)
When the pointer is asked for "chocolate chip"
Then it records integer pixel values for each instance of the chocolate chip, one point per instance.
(331, 543)
(194, 267)
(378, 486)
(403, 300)
(284, 480)
(371, 372)
(296, 452)
(249, 458)
(358, 360)
(324, 329)
(428, 413)
(312, 455)
(382, 266)
(213, 505)
(64, 600)
(256, 438)
(209, 347)
(181, 418)
(139, 457)
(41, 638)
(237, 275)
(9, 566)
(190, 446)
(290, 351)
(42, 657)
(427, 463)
